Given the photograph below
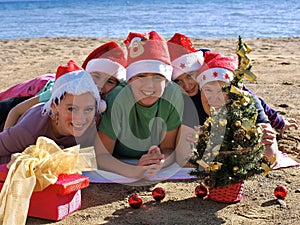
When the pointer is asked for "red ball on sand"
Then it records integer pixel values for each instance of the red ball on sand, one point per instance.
(280, 192)
(159, 193)
(201, 191)
(135, 201)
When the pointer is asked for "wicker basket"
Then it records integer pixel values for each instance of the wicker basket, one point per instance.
(228, 194)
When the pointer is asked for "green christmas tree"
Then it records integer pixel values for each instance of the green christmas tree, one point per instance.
(228, 147)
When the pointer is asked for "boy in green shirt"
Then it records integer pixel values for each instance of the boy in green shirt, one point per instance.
(143, 118)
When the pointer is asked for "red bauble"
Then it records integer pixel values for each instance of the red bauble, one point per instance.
(159, 193)
(280, 192)
(135, 201)
(201, 191)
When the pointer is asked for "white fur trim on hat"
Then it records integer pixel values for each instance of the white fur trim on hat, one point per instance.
(107, 66)
(187, 63)
(149, 66)
(214, 74)
(75, 83)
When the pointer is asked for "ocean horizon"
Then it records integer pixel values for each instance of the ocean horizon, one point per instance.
(102, 18)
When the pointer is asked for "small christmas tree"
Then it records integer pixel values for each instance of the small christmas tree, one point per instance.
(228, 149)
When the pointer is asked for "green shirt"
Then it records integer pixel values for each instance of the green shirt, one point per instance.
(134, 127)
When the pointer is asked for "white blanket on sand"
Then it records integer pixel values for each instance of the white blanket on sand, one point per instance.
(172, 172)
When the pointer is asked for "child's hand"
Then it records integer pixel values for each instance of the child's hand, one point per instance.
(153, 156)
(269, 134)
(193, 137)
(154, 161)
(154, 168)
(289, 123)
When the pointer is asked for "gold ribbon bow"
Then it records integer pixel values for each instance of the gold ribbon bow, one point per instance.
(244, 94)
(243, 50)
(267, 168)
(245, 66)
(212, 166)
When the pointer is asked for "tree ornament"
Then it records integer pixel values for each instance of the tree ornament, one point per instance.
(238, 123)
(280, 192)
(135, 201)
(158, 193)
(201, 191)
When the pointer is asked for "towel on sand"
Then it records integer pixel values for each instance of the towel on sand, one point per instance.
(172, 172)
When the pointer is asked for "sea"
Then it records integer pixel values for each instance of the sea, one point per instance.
(116, 18)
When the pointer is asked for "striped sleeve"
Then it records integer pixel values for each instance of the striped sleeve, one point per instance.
(276, 121)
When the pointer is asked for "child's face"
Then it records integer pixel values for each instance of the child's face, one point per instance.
(75, 114)
(187, 81)
(147, 88)
(104, 82)
(213, 96)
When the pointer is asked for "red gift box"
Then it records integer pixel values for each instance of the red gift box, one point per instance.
(57, 200)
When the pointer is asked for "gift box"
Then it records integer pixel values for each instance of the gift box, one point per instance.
(231, 193)
(56, 201)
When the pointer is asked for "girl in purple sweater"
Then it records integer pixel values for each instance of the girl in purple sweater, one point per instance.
(68, 117)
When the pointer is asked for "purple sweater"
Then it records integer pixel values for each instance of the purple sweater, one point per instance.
(33, 125)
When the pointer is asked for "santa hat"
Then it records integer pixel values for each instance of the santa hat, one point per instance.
(217, 67)
(108, 58)
(147, 53)
(72, 79)
(184, 56)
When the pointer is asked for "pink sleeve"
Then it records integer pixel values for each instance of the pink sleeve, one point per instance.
(27, 88)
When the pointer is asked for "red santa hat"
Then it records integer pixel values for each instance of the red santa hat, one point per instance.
(184, 56)
(147, 53)
(108, 58)
(72, 79)
(217, 67)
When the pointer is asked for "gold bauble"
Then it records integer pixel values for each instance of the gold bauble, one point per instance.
(238, 123)
(235, 168)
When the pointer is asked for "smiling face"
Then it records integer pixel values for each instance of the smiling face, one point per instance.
(187, 81)
(75, 114)
(104, 82)
(213, 96)
(147, 88)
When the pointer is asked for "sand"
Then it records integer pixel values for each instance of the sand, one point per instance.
(276, 62)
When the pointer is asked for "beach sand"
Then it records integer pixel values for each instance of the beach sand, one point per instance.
(276, 62)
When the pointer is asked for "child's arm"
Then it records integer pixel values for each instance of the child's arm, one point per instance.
(108, 143)
(167, 146)
(16, 112)
(185, 140)
(104, 146)
(277, 121)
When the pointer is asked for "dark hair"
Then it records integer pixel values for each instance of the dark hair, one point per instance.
(56, 100)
